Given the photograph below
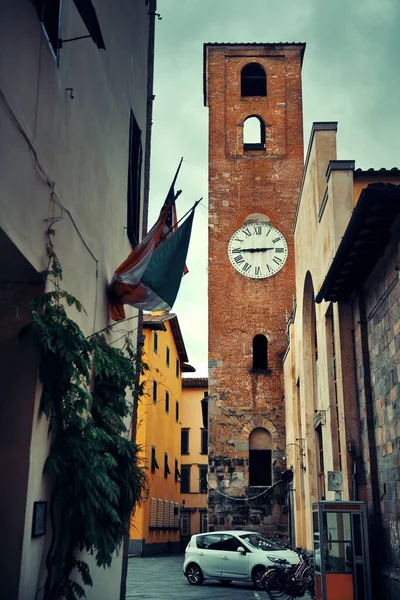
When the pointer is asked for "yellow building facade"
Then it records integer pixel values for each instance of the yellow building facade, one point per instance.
(194, 459)
(155, 526)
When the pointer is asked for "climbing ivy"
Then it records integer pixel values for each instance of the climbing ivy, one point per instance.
(93, 466)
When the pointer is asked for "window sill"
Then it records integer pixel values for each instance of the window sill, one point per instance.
(253, 148)
(260, 371)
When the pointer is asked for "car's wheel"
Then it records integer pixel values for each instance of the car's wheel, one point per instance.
(225, 581)
(194, 574)
(256, 576)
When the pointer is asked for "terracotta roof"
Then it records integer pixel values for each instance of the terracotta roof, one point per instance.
(371, 170)
(368, 232)
(157, 322)
(195, 382)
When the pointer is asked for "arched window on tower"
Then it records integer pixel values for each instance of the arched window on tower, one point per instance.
(260, 352)
(253, 133)
(253, 80)
(260, 457)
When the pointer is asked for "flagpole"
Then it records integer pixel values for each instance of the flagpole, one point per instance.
(181, 219)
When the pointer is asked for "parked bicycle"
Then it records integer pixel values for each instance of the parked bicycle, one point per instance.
(284, 582)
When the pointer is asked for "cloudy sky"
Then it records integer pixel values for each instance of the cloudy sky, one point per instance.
(351, 74)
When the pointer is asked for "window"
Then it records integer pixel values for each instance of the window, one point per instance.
(177, 474)
(134, 176)
(331, 336)
(155, 392)
(49, 12)
(230, 543)
(167, 356)
(155, 342)
(184, 441)
(203, 521)
(260, 458)
(203, 479)
(177, 411)
(320, 462)
(211, 541)
(253, 134)
(253, 80)
(260, 353)
(166, 466)
(185, 479)
(166, 401)
(204, 441)
(154, 463)
(177, 368)
(185, 524)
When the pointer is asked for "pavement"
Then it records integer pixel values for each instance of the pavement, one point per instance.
(161, 578)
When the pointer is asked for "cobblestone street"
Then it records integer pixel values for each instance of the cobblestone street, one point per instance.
(161, 578)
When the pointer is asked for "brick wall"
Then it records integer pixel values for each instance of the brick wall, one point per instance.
(240, 184)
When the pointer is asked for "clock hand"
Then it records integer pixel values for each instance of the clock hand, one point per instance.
(256, 249)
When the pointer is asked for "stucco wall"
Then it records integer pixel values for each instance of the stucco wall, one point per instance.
(82, 145)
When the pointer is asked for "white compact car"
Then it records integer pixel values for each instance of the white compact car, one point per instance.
(231, 555)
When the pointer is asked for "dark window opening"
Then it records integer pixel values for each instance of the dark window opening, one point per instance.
(167, 402)
(155, 342)
(260, 352)
(320, 459)
(260, 468)
(134, 180)
(166, 466)
(260, 458)
(154, 463)
(253, 134)
(167, 355)
(185, 479)
(204, 441)
(203, 479)
(177, 411)
(177, 471)
(155, 392)
(177, 368)
(185, 441)
(253, 80)
(49, 12)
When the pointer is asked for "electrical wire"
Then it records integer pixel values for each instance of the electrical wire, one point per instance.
(237, 499)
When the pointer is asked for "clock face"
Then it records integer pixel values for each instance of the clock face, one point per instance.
(257, 250)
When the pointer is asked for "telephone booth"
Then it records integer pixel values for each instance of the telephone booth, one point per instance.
(341, 552)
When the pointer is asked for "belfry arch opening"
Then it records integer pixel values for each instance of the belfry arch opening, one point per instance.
(260, 457)
(253, 133)
(253, 80)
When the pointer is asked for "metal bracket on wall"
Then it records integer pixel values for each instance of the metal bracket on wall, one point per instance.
(159, 17)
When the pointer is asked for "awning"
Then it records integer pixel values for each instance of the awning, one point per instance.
(89, 17)
(363, 242)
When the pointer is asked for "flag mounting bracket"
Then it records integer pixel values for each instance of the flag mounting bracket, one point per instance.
(60, 42)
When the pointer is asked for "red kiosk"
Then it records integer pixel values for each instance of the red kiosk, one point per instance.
(341, 551)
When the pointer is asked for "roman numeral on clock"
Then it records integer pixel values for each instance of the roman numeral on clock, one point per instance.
(276, 240)
(257, 271)
(236, 250)
(279, 250)
(239, 259)
(246, 268)
(270, 271)
(247, 231)
(257, 229)
(278, 261)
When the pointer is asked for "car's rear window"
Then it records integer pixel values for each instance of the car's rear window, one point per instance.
(210, 541)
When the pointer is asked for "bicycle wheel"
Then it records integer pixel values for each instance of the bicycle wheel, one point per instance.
(274, 585)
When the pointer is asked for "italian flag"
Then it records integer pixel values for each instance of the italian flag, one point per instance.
(151, 275)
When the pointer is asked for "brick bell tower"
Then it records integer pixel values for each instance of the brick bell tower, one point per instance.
(253, 92)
